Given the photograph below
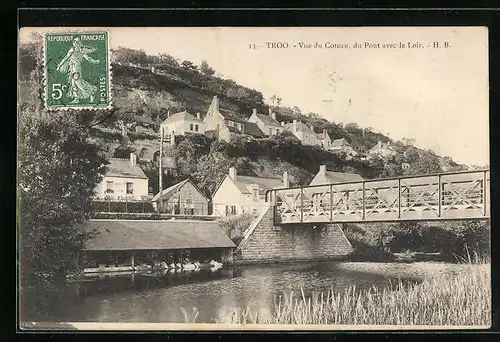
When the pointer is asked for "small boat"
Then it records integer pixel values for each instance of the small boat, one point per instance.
(172, 265)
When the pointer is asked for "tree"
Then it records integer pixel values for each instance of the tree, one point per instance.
(426, 163)
(189, 66)
(58, 172)
(206, 69)
(211, 169)
(296, 110)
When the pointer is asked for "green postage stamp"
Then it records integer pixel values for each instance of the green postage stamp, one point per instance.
(77, 70)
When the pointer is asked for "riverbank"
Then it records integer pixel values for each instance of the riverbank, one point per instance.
(459, 298)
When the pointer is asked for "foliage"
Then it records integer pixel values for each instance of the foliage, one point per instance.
(187, 152)
(123, 151)
(58, 172)
(459, 300)
(212, 168)
(206, 69)
(451, 239)
(424, 162)
(235, 226)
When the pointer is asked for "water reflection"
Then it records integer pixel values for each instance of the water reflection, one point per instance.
(175, 297)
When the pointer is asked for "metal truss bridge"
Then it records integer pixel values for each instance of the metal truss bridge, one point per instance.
(446, 196)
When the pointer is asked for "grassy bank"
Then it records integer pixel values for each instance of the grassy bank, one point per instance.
(462, 299)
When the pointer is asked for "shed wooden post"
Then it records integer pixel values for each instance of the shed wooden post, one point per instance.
(132, 259)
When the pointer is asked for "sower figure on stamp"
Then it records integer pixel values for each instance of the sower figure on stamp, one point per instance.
(79, 89)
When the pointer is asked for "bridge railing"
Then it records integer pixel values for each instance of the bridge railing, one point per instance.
(458, 195)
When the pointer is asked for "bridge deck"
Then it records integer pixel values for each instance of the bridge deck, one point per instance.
(447, 196)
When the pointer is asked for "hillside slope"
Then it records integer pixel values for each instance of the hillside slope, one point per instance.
(146, 88)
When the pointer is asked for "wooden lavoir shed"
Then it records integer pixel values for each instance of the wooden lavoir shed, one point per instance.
(131, 243)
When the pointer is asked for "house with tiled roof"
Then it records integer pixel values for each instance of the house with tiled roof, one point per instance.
(303, 132)
(383, 150)
(182, 123)
(267, 123)
(123, 180)
(222, 124)
(238, 194)
(342, 146)
(183, 198)
(332, 177)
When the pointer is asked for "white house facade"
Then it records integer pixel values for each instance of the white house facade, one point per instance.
(124, 180)
(244, 194)
(183, 123)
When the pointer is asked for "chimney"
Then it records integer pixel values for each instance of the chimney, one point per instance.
(294, 125)
(282, 123)
(168, 114)
(322, 169)
(379, 144)
(270, 111)
(286, 181)
(198, 116)
(172, 139)
(133, 159)
(254, 112)
(232, 173)
(273, 115)
(324, 133)
(311, 127)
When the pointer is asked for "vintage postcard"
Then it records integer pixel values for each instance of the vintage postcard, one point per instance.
(291, 178)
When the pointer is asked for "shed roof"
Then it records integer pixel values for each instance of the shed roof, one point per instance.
(168, 192)
(150, 235)
(119, 167)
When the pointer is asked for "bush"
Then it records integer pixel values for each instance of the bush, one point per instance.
(235, 226)
(452, 239)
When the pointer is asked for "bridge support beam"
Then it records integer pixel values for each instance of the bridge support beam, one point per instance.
(265, 243)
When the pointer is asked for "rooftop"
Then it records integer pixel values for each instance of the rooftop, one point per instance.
(253, 129)
(301, 127)
(242, 182)
(119, 167)
(342, 177)
(166, 193)
(182, 116)
(339, 143)
(268, 120)
(143, 234)
(228, 115)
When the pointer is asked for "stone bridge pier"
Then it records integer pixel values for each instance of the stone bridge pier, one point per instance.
(266, 243)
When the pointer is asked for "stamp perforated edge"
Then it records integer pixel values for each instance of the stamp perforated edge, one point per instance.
(108, 61)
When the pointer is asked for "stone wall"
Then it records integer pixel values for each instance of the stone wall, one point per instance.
(266, 243)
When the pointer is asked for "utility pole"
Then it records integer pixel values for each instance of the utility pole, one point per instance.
(160, 172)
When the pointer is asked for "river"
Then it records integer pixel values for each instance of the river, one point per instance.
(159, 298)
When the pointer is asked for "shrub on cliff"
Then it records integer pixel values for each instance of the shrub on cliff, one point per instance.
(235, 226)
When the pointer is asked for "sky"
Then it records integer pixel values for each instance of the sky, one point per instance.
(437, 96)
